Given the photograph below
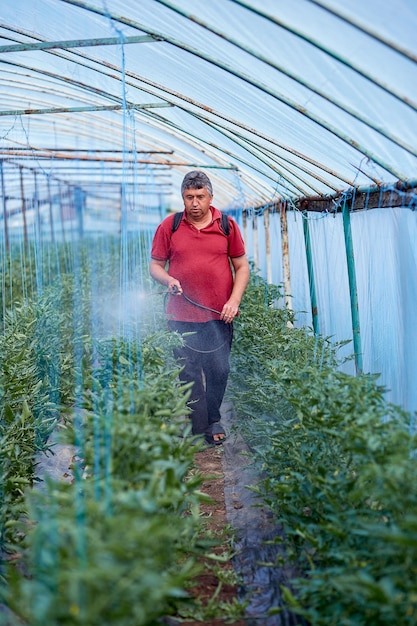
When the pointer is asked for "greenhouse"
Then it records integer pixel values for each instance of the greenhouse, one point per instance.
(301, 114)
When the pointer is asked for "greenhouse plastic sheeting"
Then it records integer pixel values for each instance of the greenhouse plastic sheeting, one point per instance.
(385, 267)
(278, 98)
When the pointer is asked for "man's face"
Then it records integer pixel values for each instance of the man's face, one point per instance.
(197, 203)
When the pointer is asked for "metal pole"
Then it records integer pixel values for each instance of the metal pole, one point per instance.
(22, 193)
(245, 225)
(61, 210)
(310, 269)
(85, 109)
(79, 205)
(78, 43)
(51, 214)
(285, 256)
(268, 247)
(255, 241)
(38, 219)
(352, 288)
(3, 194)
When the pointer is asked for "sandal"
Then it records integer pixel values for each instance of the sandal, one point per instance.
(216, 429)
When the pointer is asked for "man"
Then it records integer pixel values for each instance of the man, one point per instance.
(195, 263)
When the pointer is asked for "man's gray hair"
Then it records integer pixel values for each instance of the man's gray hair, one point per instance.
(196, 180)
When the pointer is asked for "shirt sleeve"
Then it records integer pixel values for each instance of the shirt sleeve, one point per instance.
(161, 244)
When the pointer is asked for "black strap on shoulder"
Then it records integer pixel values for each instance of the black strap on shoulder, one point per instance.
(224, 222)
(177, 220)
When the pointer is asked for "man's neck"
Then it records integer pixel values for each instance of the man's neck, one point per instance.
(202, 222)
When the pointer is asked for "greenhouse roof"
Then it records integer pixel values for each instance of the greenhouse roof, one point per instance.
(274, 98)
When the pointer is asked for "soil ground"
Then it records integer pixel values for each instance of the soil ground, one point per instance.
(209, 462)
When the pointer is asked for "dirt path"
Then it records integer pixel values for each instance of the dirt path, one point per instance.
(209, 462)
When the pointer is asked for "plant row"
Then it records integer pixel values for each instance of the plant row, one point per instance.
(120, 543)
(339, 466)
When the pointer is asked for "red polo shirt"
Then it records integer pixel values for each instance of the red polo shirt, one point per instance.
(199, 259)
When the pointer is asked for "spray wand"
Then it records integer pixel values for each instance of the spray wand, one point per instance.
(175, 290)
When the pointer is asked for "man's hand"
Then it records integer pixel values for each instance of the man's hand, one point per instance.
(229, 312)
(174, 287)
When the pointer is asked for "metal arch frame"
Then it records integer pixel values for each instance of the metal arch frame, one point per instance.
(249, 80)
(77, 43)
(56, 44)
(101, 93)
(243, 139)
(151, 38)
(104, 94)
(143, 81)
(235, 123)
(346, 109)
(86, 109)
(327, 51)
(366, 30)
(265, 159)
(198, 139)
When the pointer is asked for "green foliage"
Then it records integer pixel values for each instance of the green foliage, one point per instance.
(340, 472)
(17, 447)
(130, 425)
(37, 364)
(121, 544)
(47, 355)
(119, 560)
(36, 376)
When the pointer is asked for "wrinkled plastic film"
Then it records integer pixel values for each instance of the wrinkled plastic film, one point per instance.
(260, 561)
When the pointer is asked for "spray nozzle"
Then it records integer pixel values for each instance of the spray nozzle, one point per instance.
(174, 289)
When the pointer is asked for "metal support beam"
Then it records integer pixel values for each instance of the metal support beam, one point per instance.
(51, 213)
(255, 241)
(61, 213)
(79, 206)
(310, 270)
(79, 43)
(37, 207)
(86, 157)
(220, 63)
(23, 199)
(87, 109)
(396, 195)
(285, 257)
(245, 225)
(5, 217)
(353, 290)
(88, 151)
(268, 247)
(400, 194)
